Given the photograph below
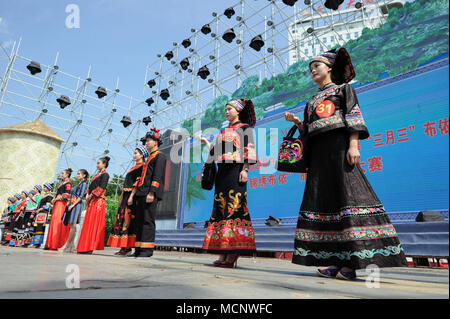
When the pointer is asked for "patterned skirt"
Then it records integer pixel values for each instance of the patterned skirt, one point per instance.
(230, 228)
(123, 233)
(341, 221)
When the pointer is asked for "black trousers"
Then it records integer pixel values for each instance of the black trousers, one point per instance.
(145, 226)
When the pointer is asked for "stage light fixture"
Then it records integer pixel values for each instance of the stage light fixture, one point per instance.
(169, 55)
(257, 43)
(110, 130)
(214, 14)
(238, 18)
(149, 101)
(212, 57)
(358, 5)
(146, 120)
(289, 2)
(334, 4)
(34, 67)
(229, 35)
(213, 35)
(307, 2)
(188, 92)
(203, 72)
(164, 94)
(210, 80)
(229, 12)
(191, 50)
(63, 101)
(238, 41)
(184, 63)
(310, 30)
(270, 50)
(237, 66)
(206, 29)
(126, 121)
(151, 83)
(186, 43)
(270, 23)
(101, 92)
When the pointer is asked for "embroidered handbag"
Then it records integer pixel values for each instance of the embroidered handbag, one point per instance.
(291, 155)
(209, 171)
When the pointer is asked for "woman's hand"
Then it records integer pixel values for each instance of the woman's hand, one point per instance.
(53, 201)
(204, 141)
(353, 155)
(150, 197)
(70, 208)
(243, 176)
(130, 200)
(290, 117)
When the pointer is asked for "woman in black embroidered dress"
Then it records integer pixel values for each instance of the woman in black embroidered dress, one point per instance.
(230, 231)
(342, 223)
(123, 232)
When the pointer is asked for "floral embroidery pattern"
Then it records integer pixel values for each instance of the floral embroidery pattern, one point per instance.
(230, 234)
(290, 152)
(343, 213)
(235, 204)
(222, 202)
(327, 121)
(346, 255)
(349, 234)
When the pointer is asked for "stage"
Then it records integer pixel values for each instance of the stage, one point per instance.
(177, 275)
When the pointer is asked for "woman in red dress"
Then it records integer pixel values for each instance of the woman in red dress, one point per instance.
(92, 235)
(58, 232)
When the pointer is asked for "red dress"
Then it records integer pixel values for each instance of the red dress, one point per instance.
(58, 232)
(92, 235)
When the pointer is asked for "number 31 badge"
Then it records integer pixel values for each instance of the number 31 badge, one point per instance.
(325, 109)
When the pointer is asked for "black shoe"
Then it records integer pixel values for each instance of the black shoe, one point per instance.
(346, 275)
(144, 255)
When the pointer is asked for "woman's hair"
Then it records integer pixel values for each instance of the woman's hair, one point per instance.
(105, 160)
(84, 172)
(68, 171)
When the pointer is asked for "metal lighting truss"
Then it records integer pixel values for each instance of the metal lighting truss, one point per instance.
(90, 126)
(231, 63)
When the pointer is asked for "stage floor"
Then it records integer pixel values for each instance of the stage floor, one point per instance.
(34, 273)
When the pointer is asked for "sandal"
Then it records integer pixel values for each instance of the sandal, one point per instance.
(328, 272)
(123, 252)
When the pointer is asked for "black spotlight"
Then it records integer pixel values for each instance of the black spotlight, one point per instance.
(229, 35)
(169, 55)
(358, 5)
(334, 4)
(151, 83)
(146, 120)
(126, 121)
(206, 29)
(186, 43)
(184, 63)
(149, 101)
(307, 2)
(289, 2)
(34, 67)
(101, 92)
(310, 30)
(203, 72)
(164, 94)
(257, 43)
(229, 12)
(63, 101)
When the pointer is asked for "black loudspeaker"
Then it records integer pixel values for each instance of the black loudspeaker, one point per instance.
(273, 221)
(430, 216)
(189, 226)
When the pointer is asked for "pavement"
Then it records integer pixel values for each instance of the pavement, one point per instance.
(35, 273)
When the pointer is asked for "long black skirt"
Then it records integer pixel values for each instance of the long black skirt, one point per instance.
(230, 228)
(341, 221)
(123, 232)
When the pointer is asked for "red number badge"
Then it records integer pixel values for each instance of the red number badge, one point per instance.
(325, 109)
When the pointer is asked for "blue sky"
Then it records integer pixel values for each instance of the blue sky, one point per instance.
(118, 38)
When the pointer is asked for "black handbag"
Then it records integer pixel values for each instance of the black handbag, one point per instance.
(209, 171)
(292, 155)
